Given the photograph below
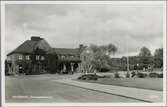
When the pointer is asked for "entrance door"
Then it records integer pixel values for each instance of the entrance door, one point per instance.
(39, 68)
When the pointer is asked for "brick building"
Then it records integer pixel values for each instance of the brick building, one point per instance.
(36, 56)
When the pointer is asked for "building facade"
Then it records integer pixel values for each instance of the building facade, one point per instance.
(36, 56)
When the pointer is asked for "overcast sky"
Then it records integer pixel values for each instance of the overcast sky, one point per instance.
(67, 26)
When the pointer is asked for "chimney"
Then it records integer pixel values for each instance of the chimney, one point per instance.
(35, 38)
(81, 46)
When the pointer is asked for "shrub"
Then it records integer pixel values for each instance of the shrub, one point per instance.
(107, 76)
(88, 77)
(153, 75)
(160, 75)
(133, 74)
(141, 75)
(117, 75)
(104, 76)
(127, 75)
(104, 69)
(99, 76)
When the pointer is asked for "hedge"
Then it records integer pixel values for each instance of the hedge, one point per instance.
(153, 75)
(117, 75)
(141, 75)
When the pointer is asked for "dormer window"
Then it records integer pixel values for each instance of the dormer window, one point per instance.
(27, 57)
(20, 57)
(37, 57)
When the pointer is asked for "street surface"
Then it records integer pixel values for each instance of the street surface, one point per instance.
(43, 89)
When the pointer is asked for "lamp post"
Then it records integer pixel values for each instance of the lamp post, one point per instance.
(87, 65)
(137, 66)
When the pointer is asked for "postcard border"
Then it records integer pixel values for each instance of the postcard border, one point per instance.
(77, 104)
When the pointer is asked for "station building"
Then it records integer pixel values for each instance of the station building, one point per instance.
(36, 56)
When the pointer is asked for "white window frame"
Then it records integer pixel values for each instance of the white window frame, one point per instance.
(27, 57)
(37, 57)
(20, 57)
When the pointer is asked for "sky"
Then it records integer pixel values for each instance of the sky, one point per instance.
(67, 25)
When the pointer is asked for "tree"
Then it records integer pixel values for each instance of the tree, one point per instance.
(145, 56)
(112, 48)
(144, 52)
(158, 58)
(101, 56)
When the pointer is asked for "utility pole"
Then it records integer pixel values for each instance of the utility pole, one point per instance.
(127, 63)
(127, 53)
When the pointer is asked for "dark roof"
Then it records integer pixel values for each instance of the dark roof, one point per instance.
(30, 45)
(25, 47)
(65, 51)
(75, 59)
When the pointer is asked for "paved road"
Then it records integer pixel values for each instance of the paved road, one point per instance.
(43, 89)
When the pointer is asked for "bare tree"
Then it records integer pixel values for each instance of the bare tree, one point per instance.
(101, 56)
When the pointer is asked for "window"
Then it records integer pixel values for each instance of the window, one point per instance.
(72, 56)
(27, 57)
(37, 57)
(63, 56)
(20, 57)
(42, 58)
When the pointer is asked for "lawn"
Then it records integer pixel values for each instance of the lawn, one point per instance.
(143, 83)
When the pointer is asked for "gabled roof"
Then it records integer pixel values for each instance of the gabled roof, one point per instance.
(65, 51)
(29, 45)
(25, 47)
(75, 59)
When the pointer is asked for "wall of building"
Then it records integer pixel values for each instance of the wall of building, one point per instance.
(13, 67)
(28, 64)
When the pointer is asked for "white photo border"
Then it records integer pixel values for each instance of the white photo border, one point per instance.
(3, 3)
